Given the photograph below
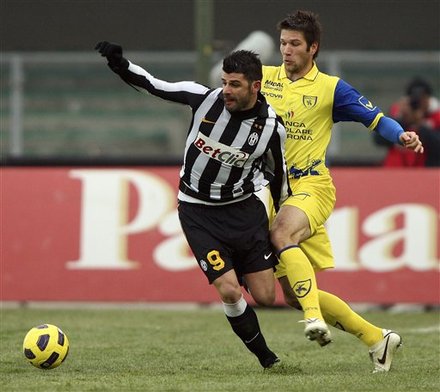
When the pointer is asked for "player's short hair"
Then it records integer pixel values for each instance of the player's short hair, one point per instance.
(244, 62)
(305, 21)
(418, 86)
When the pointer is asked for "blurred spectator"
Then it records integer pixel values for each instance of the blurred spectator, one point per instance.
(419, 111)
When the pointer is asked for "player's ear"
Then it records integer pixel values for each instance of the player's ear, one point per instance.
(314, 48)
(256, 86)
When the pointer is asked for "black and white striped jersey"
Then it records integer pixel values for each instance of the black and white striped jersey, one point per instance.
(228, 156)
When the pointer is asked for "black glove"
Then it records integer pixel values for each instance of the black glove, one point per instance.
(113, 53)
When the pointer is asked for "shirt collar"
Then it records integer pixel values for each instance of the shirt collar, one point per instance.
(311, 75)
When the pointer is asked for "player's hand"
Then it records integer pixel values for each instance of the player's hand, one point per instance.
(113, 53)
(411, 140)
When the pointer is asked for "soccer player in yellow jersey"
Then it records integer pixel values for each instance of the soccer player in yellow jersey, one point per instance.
(310, 102)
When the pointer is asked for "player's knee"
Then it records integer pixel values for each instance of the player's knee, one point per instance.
(281, 238)
(264, 299)
(277, 237)
(229, 292)
(283, 234)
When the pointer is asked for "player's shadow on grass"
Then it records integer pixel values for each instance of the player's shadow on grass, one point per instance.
(287, 369)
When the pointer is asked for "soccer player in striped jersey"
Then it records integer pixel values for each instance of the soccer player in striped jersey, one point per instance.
(310, 102)
(234, 143)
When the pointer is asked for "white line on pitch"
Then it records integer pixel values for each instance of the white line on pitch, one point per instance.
(434, 328)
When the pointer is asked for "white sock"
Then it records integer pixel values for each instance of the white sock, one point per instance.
(236, 309)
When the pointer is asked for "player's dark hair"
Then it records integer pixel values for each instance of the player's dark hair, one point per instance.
(419, 86)
(416, 90)
(244, 62)
(307, 22)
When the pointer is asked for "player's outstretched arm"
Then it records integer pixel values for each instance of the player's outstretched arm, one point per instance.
(411, 140)
(391, 130)
(188, 93)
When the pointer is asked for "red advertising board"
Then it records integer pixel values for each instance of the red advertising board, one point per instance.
(112, 234)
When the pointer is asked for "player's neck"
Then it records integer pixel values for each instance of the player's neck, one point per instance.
(294, 76)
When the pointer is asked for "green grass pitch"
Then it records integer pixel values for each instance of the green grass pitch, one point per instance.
(147, 349)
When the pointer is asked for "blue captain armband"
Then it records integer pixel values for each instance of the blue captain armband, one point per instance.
(389, 129)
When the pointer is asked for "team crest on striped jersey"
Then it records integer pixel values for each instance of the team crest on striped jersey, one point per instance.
(309, 101)
(253, 139)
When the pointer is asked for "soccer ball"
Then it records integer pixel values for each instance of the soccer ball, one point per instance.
(46, 346)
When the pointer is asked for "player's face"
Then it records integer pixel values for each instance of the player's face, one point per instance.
(238, 93)
(297, 59)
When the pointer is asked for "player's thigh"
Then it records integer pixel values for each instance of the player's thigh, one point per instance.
(315, 197)
(261, 285)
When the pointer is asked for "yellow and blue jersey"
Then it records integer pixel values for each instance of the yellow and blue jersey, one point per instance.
(309, 107)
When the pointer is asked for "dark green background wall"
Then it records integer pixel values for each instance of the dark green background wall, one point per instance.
(168, 24)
